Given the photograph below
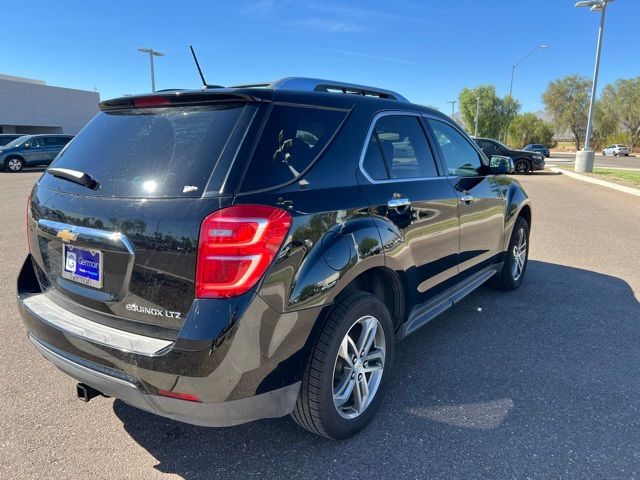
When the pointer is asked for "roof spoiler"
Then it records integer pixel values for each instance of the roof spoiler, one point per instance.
(177, 98)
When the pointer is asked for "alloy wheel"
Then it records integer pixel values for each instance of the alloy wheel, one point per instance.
(358, 367)
(522, 167)
(519, 254)
(15, 165)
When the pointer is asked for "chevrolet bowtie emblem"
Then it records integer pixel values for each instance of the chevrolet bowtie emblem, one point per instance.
(66, 235)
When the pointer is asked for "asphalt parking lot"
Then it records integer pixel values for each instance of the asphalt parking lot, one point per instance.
(538, 383)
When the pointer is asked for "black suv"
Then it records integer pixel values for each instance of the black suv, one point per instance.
(524, 160)
(231, 254)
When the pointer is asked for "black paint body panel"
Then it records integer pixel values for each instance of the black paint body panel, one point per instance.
(227, 349)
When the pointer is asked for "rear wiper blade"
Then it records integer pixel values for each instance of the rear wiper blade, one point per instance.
(75, 176)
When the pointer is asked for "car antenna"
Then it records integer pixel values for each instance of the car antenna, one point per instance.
(205, 85)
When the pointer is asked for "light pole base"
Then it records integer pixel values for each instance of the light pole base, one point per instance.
(584, 161)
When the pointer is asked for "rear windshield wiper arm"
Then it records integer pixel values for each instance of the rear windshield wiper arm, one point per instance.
(75, 176)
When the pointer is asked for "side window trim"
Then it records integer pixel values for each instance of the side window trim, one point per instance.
(483, 158)
(371, 131)
(384, 160)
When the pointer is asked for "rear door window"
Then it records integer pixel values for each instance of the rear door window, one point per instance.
(152, 152)
(292, 139)
(53, 141)
(404, 147)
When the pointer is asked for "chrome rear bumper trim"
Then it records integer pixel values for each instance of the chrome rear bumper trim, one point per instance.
(46, 310)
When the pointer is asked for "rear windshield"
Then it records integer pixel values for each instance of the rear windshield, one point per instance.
(292, 139)
(153, 152)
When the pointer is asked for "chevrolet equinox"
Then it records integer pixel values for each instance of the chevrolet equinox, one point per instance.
(232, 254)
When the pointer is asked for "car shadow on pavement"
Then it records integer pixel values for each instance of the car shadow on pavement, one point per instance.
(541, 382)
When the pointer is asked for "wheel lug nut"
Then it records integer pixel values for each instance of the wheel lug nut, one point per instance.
(353, 375)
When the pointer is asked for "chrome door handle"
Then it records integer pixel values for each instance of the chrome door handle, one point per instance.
(399, 202)
(466, 198)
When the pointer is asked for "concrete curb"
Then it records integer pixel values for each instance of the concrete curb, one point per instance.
(597, 181)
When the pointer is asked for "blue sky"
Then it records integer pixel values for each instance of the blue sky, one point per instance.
(426, 50)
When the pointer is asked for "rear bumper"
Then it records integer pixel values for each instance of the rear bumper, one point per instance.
(275, 403)
(248, 370)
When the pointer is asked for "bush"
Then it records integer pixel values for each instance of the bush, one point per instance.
(624, 138)
(528, 128)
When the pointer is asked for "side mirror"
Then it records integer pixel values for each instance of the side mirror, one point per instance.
(501, 165)
(26, 145)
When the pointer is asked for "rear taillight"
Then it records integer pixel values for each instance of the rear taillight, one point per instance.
(28, 218)
(236, 246)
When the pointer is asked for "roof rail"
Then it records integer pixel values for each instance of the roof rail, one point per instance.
(319, 85)
(252, 85)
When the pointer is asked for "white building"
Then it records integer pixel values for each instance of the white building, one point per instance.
(31, 106)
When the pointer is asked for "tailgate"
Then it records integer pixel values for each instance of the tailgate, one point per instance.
(128, 261)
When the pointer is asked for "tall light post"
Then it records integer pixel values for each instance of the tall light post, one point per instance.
(453, 106)
(513, 67)
(152, 53)
(585, 157)
(513, 71)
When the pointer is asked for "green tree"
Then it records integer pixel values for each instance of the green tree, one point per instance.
(528, 128)
(621, 101)
(508, 108)
(494, 113)
(567, 101)
(605, 126)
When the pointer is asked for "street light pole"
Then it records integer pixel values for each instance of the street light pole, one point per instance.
(585, 157)
(513, 71)
(152, 53)
(453, 106)
(513, 67)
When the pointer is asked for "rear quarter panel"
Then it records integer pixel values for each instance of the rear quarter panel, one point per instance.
(516, 200)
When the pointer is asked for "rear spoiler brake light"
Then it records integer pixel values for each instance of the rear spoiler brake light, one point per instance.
(176, 99)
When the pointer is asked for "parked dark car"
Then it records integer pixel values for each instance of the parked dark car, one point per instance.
(538, 148)
(31, 150)
(525, 162)
(239, 253)
(8, 137)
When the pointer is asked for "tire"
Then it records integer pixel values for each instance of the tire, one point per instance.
(13, 164)
(320, 408)
(507, 279)
(523, 167)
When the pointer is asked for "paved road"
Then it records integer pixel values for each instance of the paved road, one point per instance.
(539, 383)
(600, 161)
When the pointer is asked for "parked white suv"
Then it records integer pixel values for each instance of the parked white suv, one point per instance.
(616, 149)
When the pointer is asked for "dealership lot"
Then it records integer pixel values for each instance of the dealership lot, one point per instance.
(541, 382)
